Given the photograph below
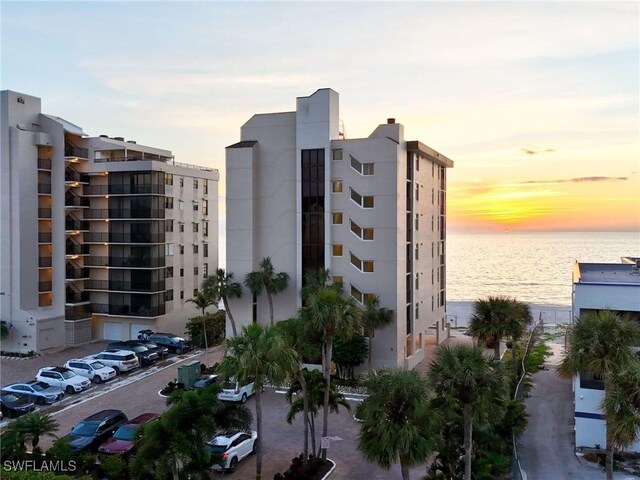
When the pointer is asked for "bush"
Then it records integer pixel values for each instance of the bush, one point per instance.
(215, 325)
(314, 469)
(114, 467)
(349, 353)
(32, 475)
(172, 387)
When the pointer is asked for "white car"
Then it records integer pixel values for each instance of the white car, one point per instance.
(233, 446)
(119, 360)
(92, 369)
(63, 378)
(232, 391)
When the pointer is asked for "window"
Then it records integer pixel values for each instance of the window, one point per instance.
(181, 249)
(181, 294)
(180, 205)
(417, 192)
(338, 279)
(195, 292)
(195, 227)
(336, 250)
(357, 294)
(336, 154)
(361, 168)
(205, 207)
(181, 272)
(168, 226)
(168, 249)
(367, 233)
(205, 229)
(417, 160)
(181, 227)
(356, 262)
(168, 295)
(205, 186)
(362, 265)
(205, 250)
(169, 272)
(417, 314)
(168, 179)
(195, 183)
(362, 233)
(355, 228)
(195, 248)
(368, 297)
(205, 270)
(168, 203)
(336, 186)
(367, 266)
(363, 201)
(417, 281)
(591, 381)
(195, 206)
(417, 222)
(181, 181)
(336, 218)
(417, 252)
(195, 271)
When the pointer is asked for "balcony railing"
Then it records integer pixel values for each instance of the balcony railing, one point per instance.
(44, 188)
(127, 310)
(77, 297)
(71, 176)
(141, 262)
(75, 201)
(103, 213)
(73, 151)
(106, 237)
(76, 225)
(139, 158)
(124, 286)
(76, 273)
(123, 189)
(76, 249)
(45, 286)
(44, 213)
(76, 314)
(44, 163)
(44, 262)
(44, 237)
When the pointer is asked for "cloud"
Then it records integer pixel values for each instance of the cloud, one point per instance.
(536, 150)
(574, 180)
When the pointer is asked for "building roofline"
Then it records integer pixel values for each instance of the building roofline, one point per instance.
(418, 146)
(243, 144)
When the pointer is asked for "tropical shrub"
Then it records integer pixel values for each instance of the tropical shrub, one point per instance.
(215, 325)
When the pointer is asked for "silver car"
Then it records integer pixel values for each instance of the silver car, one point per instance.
(36, 391)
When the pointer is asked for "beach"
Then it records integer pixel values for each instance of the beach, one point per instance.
(459, 313)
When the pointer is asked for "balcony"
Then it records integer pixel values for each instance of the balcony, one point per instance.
(45, 286)
(106, 237)
(77, 297)
(127, 310)
(44, 213)
(141, 157)
(125, 262)
(74, 201)
(79, 225)
(71, 153)
(123, 189)
(44, 164)
(44, 188)
(77, 249)
(125, 286)
(123, 213)
(76, 314)
(77, 273)
(44, 237)
(71, 176)
(44, 262)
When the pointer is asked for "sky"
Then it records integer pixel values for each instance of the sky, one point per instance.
(537, 103)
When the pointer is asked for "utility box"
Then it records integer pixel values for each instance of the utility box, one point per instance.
(189, 373)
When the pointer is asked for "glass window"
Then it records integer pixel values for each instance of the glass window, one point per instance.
(168, 226)
(205, 207)
(168, 203)
(336, 154)
(182, 272)
(368, 297)
(195, 207)
(205, 270)
(181, 294)
(195, 271)
(367, 233)
(205, 186)
(195, 248)
(338, 279)
(205, 228)
(367, 169)
(337, 249)
(367, 266)
(181, 249)
(195, 292)
(356, 262)
(181, 227)
(195, 227)
(355, 228)
(205, 250)
(336, 218)
(195, 183)
(367, 202)
(169, 272)
(357, 294)
(181, 181)
(168, 179)
(336, 186)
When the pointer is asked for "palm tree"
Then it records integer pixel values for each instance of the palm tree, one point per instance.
(203, 300)
(4, 330)
(330, 312)
(622, 406)
(398, 425)
(222, 286)
(601, 343)
(266, 278)
(33, 426)
(497, 318)
(313, 396)
(374, 317)
(467, 378)
(261, 355)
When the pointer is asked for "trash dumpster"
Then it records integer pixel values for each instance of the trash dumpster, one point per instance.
(189, 373)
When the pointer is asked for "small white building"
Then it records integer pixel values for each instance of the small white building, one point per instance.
(372, 210)
(601, 286)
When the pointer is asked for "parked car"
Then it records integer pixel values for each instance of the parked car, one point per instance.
(92, 369)
(232, 391)
(36, 391)
(95, 429)
(173, 342)
(205, 381)
(14, 405)
(146, 356)
(119, 360)
(63, 378)
(154, 347)
(123, 441)
(233, 447)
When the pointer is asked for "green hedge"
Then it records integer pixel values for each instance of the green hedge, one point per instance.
(8, 474)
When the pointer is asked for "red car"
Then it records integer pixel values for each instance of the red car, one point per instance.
(123, 441)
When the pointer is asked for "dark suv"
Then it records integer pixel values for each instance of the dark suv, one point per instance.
(14, 405)
(173, 342)
(154, 347)
(146, 356)
(94, 430)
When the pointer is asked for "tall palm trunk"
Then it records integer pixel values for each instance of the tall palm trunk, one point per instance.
(468, 433)
(204, 331)
(305, 413)
(496, 348)
(370, 333)
(258, 395)
(228, 312)
(609, 456)
(404, 469)
(327, 352)
(270, 298)
(312, 426)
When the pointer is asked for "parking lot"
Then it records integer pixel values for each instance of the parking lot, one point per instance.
(136, 393)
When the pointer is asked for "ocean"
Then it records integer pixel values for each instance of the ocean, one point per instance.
(532, 267)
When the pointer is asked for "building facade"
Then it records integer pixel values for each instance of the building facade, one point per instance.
(371, 210)
(99, 237)
(601, 286)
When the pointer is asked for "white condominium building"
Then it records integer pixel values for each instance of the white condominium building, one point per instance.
(371, 210)
(99, 237)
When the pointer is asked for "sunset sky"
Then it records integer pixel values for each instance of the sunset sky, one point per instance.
(537, 103)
